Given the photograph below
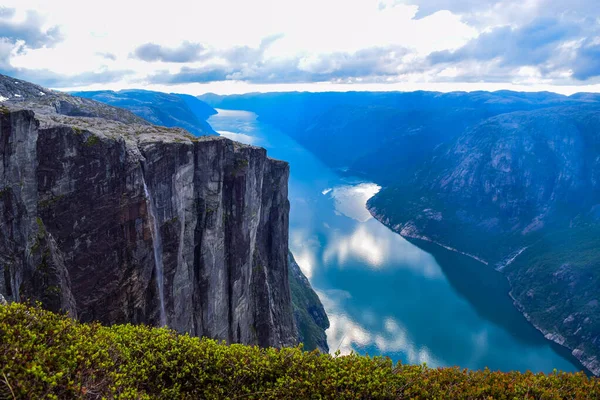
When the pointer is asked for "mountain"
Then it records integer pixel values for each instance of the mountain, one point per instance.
(510, 179)
(115, 220)
(395, 131)
(521, 192)
(170, 110)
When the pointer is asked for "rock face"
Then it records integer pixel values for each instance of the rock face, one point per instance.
(116, 220)
(309, 313)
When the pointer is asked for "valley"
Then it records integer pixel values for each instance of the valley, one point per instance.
(384, 295)
(509, 179)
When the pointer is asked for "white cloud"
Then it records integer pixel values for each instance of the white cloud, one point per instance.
(316, 41)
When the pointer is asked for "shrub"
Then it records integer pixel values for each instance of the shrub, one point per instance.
(45, 355)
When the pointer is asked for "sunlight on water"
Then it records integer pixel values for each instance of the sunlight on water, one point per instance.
(347, 335)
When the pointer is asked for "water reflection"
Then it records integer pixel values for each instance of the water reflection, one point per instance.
(348, 335)
(376, 248)
(351, 200)
(383, 294)
(240, 137)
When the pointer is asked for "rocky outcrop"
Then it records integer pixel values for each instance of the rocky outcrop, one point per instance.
(115, 220)
(309, 313)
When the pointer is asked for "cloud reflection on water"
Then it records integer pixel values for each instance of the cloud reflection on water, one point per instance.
(373, 247)
(239, 137)
(351, 200)
(347, 335)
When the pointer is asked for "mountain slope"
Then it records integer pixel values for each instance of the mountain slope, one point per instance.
(311, 319)
(520, 191)
(67, 359)
(381, 136)
(170, 110)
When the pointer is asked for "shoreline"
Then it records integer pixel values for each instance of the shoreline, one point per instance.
(591, 364)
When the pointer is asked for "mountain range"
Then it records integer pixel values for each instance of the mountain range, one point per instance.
(170, 110)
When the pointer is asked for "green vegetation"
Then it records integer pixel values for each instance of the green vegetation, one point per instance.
(44, 355)
(50, 201)
(557, 280)
(92, 140)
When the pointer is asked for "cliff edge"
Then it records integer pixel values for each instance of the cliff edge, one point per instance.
(112, 219)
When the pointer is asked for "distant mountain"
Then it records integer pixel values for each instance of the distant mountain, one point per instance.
(170, 110)
(48, 102)
(381, 135)
(511, 179)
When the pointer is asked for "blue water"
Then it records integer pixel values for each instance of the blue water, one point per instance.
(383, 294)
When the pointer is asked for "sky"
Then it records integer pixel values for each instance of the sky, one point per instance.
(237, 46)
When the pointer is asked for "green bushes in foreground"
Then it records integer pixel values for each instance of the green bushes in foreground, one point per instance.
(44, 355)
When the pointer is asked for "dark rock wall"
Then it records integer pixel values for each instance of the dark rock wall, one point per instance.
(76, 229)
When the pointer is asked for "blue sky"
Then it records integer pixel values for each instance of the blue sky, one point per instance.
(238, 46)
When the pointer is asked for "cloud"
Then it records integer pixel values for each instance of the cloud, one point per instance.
(428, 7)
(209, 73)
(190, 52)
(549, 48)
(246, 65)
(587, 62)
(532, 44)
(46, 78)
(265, 44)
(30, 30)
(108, 56)
(186, 52)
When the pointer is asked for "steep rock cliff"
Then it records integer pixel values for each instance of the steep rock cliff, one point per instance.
(116, 220)
(309, 313)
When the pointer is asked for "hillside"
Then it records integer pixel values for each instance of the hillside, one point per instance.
(382, 136)
(520, 192)
(511, 179)
(44, 355)
(169, 110)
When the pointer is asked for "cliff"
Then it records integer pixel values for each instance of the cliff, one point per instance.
(112, 219)
(309, 313)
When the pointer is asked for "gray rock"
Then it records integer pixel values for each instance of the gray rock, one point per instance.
(77, 230)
